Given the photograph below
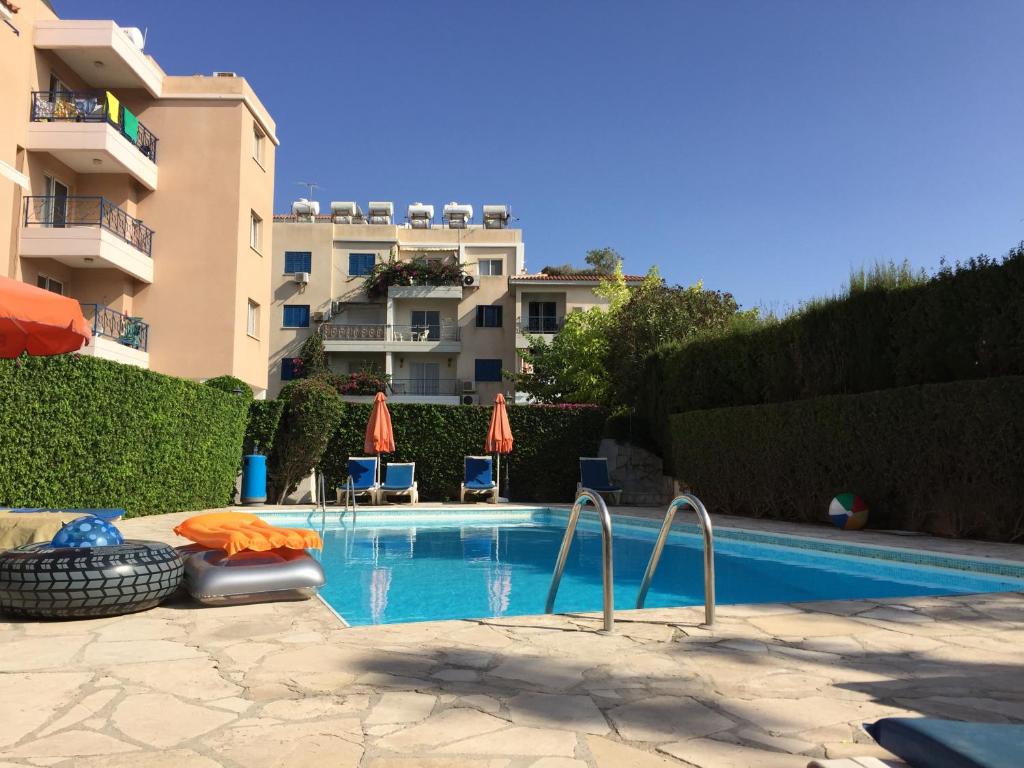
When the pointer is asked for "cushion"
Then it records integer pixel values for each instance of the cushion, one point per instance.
(237, 531)
(949, 744)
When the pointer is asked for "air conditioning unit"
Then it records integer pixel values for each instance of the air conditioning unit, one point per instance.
(301, 277)
(469, 280)
(471, 399)
(225, 74)
(468, 386)
(318, 317)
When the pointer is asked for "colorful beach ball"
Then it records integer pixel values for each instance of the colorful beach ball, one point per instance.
(87, 532)
(848, 511)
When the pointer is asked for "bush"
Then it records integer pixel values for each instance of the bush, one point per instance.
(86, 432)
(312, 358)
(415, 272)
(941, 458)
(542, 467)
(264, 418)
(312, 409)
(232, 385)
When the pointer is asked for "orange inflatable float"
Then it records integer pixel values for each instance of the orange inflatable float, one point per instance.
(238, 531)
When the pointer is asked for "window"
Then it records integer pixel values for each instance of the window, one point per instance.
(49, 284)
(258, 141)
(488, 370)
(542, 317)
(489, 316)
(255, 231)
(252, 321)
(297, 261)
(491, 267)
(360, 263)
(425, 320)
(287, 368)
(296, 315)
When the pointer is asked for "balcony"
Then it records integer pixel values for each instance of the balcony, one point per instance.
(86, 232)
(391, 338)
(442, 391)
(91, 132)
(453, 292)
(117, 336)
(545, 327)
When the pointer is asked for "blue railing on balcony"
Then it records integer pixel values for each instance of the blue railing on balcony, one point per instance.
(122, 328)
(88, 211)
(92, 107)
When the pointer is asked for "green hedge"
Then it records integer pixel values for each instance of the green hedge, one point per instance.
(543, 467)
(264, 417)
(966, 323)
(85, 432)
(941, 458)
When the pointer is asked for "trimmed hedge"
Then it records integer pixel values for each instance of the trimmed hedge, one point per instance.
(264, 417)
(965, 323)
(543, 467)
(86, 432)
(940, 458)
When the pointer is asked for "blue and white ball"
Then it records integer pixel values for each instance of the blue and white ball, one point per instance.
(848, 512)
(87, 532)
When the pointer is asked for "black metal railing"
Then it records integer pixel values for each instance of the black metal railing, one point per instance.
(122, 328)
(424, 386)
(92, 107)
(425, 332)
(88, 211)
(541, 324)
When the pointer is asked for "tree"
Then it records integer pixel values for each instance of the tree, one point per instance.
(314, 359)
(604, 260)
(312, 411)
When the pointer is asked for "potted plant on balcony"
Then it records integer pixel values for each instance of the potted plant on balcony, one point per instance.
(416, 272)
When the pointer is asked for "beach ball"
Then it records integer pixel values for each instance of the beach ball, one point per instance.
(848, 511)
(87, 532)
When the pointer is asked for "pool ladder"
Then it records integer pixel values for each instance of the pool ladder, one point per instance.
(348, 496)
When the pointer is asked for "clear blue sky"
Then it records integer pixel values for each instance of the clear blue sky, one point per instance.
(765, 147)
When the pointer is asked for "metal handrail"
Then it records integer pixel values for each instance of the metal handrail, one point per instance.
(584, 495)
(709, 553)
(89, 107)
(88, 210)
(349, 494)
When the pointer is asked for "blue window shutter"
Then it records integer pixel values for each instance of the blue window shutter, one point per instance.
(360, 263)
(297, 261)
(296, 316)
(287, 369)
(488, 370)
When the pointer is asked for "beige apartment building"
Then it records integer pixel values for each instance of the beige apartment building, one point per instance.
(438, 343)
(140, 194)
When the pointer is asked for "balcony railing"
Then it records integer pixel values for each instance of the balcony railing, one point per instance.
(424, 333)
(88, 211)
(424, 386)
(541, 324)
(92, 107)
(122, 328)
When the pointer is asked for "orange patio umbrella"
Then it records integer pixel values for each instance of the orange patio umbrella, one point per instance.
(380, 437)
(499, 435)
(39, 322)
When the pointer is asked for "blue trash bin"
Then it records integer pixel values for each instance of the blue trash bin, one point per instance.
(254, 479)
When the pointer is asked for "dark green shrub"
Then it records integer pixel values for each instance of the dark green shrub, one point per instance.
(313, 357)
(941, 458)
(232, 385)
(264, 418)
(312, 409)
(86, 432)
(543, 466)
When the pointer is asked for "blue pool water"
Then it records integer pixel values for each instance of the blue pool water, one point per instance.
(397, 566)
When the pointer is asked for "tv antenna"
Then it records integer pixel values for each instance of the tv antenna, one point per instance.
(310, 186)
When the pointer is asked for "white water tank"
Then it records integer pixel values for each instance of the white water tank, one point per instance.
(457, 215)
(135, 35)
(305, 209)
(420, 215)
(496, 216)
(347, 212)
(380, 212)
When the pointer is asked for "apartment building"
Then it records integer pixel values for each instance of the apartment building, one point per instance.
(447, 343)
(140, 194)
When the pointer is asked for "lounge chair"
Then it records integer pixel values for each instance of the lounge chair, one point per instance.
(478, 478)
(400, 480)
(363, 471)
(594, 475)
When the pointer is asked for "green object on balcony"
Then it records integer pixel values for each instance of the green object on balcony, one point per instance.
(130, 125)
(131, 336)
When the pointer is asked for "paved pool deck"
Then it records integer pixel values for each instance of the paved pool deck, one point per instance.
(286, 684)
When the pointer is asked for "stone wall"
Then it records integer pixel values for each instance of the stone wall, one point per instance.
(639, 472)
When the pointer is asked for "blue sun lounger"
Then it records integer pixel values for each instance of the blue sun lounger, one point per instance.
(478, 478)
(363, 471)
(400, 480)
(594, 475)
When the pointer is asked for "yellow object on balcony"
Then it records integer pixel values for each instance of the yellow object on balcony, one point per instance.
(113, 108)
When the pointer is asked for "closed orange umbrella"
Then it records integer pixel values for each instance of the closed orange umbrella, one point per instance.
(499, 435)
(39, 322)
(380, 437)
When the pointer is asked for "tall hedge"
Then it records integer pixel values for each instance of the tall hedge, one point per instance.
(86, 432)
(543, 467)
(941, 458)
(966, 323)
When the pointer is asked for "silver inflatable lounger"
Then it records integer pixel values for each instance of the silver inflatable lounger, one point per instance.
(213, 578)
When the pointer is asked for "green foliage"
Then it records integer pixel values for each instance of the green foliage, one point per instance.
(415, 272)
(565, 269)
(605, 261)
(368, 381)
(86, 432)
(940, 458)
(264, 418)
(313, 357)
(965, 323)
(311, 410)
(886, 275)
(542, 467)
(232, 385)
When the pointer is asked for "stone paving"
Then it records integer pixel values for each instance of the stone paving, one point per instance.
(286, 684)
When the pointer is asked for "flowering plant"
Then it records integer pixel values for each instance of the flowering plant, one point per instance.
(365, 382)
(416, 272)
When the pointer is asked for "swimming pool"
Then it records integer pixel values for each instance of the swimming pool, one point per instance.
(402, 565)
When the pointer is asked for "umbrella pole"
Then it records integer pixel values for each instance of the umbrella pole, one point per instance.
(499, 475)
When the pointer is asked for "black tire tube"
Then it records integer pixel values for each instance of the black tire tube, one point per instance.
(41, 581)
